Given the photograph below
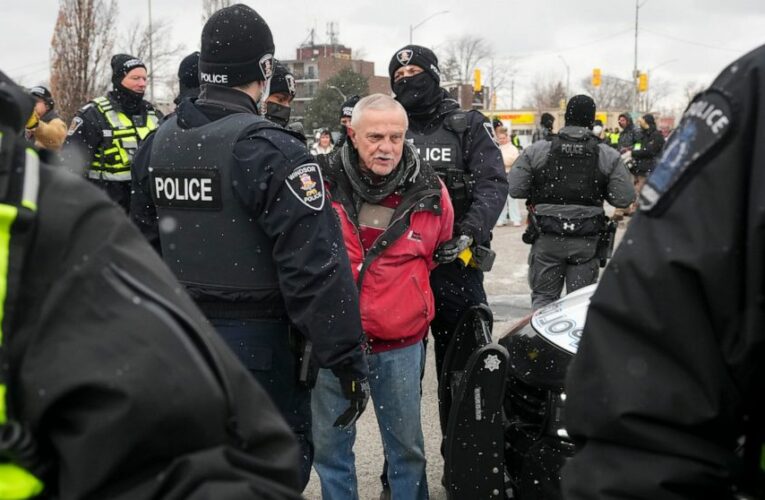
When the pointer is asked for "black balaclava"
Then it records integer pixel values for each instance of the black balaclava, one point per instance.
(580, 112)
(188, 77)
(122, 64)
(346, 111)
(421, 93)
(282, 82)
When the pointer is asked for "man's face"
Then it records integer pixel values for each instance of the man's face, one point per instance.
(282, 98)
(406, 72)
(40, 107)
(622, 122)
(643, 124)
(379, 140)
(345, 121)
(135, 80)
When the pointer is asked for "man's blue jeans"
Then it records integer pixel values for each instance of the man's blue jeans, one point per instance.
(394, 380)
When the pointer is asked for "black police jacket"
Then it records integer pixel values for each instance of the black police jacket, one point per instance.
(464, 142)
(671, 367)
(127, 389)
(651, 143)
(302, 271)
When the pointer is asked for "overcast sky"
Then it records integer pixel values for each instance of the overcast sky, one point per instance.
(684, 40)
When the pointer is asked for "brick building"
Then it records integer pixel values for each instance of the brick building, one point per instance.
(316, 63)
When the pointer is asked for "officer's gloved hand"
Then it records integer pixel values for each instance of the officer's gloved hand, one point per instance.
(449, 251)
(355, 390)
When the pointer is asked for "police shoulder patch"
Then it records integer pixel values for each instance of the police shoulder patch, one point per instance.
(704, 125)
(490, 130)
(306, 183)
(76, 123)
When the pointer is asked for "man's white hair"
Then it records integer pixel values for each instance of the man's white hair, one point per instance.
(380, 102)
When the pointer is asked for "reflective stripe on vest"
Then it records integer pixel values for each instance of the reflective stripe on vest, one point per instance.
(15, 482)
(112, 160)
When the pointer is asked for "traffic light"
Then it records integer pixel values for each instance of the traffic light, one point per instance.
(596, 77)
(643, 82)
(477, 80)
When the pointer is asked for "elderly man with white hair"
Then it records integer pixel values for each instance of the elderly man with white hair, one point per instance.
(394, 212)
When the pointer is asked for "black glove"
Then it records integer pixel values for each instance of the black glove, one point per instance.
(355, 390)
(449, 251)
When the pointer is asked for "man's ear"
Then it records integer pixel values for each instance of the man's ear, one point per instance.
(352, 135)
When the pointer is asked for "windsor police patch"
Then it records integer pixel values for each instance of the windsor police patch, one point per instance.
(194, 189)
(307, 185)
(705, 124)
(404, 56)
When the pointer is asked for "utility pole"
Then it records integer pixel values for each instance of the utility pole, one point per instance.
(635, 73)
(151, 56)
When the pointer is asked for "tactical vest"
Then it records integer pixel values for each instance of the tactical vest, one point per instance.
(18, 192)
(113, 158)
(442, 149)
(571, 175)
(209, 238)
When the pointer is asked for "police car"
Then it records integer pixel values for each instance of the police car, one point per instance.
(505, 434)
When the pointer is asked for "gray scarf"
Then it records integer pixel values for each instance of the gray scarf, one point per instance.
(370, 190)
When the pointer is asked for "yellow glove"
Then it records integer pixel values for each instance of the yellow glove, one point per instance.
(33, 121)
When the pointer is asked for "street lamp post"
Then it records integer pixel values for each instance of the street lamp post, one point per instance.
(412, 28)
(151, 55)
(338, 91)
(568, 75)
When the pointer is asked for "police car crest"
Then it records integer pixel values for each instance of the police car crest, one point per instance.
(306, 183)
(705, 123)
(404, 56)
(267, 65)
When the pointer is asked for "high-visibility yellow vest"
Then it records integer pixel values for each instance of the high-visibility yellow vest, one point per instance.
(113, 159)
(16, 483)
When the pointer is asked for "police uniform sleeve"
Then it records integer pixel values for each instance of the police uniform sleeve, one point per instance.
(314, 273)
(123, 381)
(519, 178)
(621, 191)
(143, 213)
(671, 357)
(83, 138)
(483, 159)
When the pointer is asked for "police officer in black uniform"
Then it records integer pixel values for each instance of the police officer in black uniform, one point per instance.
(460, 145)
(281, 92)
(670, 403)
(346, 112)
(106, 132)
(112, 383)
(244, 223)
(566, 179)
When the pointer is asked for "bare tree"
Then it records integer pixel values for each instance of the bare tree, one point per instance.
(546, 92)
(658, 90)
(613, 93)
(692, 88)
(209, 7)
(139, 38)
(462, 56)
(80, 51)
(499, 77)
